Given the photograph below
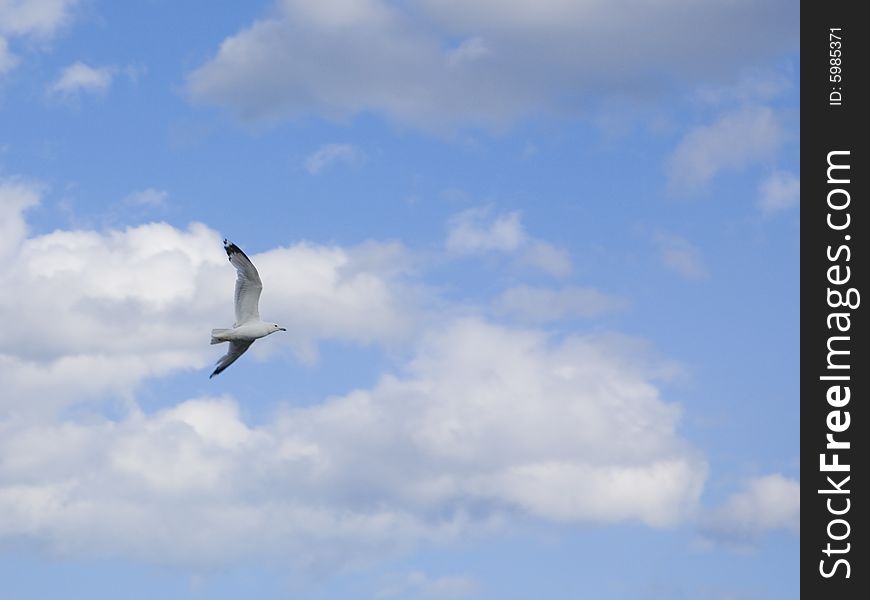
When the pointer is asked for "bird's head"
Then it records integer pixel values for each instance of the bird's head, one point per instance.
(273, 327)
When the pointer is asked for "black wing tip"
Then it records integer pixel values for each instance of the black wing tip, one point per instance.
(231, 249)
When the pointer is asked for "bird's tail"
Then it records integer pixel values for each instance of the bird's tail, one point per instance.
(216, 335)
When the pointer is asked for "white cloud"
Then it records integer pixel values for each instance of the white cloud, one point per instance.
(484, 422)
(767, 503)
(540, 305)
(79, 77)
(442, 63)
(330, 154)
(338, 293)
(469, 233)
(780, 191)
(680, 255)
(737, 139)
(90, 314)
(34, 17)
(32, 20)
(473, 231)
(147, 197)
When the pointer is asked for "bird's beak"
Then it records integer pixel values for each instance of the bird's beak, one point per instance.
(281, 329)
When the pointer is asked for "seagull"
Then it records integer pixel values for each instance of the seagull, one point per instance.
(248, 326)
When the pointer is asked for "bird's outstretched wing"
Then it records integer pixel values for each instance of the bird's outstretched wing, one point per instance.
(236, 350)
(248, 285)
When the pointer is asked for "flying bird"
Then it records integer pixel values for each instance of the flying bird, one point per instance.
(248, 326)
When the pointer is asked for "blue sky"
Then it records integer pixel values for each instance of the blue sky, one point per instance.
(538, 270)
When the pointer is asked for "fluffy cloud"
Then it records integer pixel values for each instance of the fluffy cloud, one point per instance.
(469, 232)
(767, 503)
(473, 231)
(34, 17)
(540, 305)
(147, 197)
(79, 77)
(736, 140)
(331, 154)
(779, 191)
(441, 63)
(93, 313)
(484, 422)
(339, 293)
(680, 255)
(30, 19)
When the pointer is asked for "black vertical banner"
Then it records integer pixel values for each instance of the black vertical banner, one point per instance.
(835, 223)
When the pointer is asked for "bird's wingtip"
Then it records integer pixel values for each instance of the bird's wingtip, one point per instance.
(231, 248)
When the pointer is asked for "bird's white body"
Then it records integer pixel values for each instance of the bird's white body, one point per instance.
(248, 326)
(246, 332)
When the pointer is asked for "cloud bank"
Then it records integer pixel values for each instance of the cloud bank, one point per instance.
(442, 63)
(478, 425)
(485, 423)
